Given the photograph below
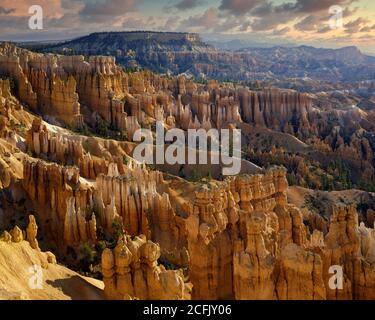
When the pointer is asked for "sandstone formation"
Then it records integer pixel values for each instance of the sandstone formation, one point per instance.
(246, 242)
(134, 197)
(65, 149)
(70, 207)
(131, 271)
(17, 235)
(62, 201)
(31, 233)
(41, 84)
(285, 111)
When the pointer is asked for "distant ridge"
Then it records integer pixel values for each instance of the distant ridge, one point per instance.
(179, 52)
(121, 37)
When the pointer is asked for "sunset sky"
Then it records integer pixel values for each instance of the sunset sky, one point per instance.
(272, 22)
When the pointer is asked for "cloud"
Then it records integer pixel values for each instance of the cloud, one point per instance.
(271, 20)
(13, 24)
(365, 29)
(319, 22)
(5, 11)
(311, 6)
(187, 4)
(139, 22)
(245, 26)
(51, 8)
(311, 15)
(99, 10)
(171, 23)
(355, 26)
(281, 32)
(263, 9)
(310, 23)
(324, 29)
(209, 20)
(239, 7)
(259, 15)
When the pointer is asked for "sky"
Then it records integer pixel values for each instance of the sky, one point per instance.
(308, 22)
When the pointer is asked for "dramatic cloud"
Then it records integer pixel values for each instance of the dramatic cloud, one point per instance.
(187, 4)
